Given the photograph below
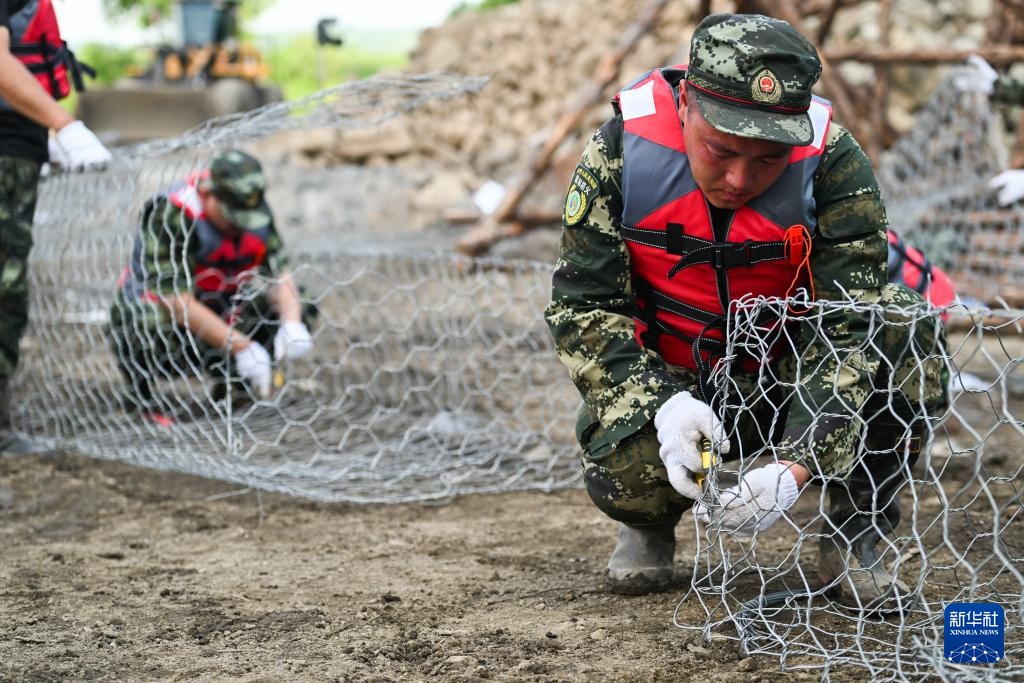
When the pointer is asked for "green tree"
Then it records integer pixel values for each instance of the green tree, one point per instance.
(151, 12)
(478, 6)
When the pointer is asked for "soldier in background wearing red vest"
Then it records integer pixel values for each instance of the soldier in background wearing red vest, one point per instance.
(207, 289)
(36, 69)
(713, 181)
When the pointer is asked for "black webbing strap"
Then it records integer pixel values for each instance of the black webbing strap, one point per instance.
(701, 345)
(51, 58)
(695, 250)
(671, 239)
(731, 255)
(648, 314)
(660, 300)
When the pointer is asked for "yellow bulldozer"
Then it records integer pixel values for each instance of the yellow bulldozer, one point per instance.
(208, 73)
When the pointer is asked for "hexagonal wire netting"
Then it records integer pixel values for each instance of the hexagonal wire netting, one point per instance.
(960, 537)
(434, 375)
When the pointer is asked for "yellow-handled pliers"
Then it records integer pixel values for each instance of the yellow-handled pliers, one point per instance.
(707, 460)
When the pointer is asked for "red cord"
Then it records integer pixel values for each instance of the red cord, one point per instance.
(797, 241)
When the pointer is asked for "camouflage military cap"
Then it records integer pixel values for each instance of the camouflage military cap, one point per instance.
(236, 180)
(752, 76)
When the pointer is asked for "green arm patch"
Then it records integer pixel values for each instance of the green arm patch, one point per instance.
(582, 191)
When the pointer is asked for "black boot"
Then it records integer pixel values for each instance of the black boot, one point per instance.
(10, 443)
(642, 560)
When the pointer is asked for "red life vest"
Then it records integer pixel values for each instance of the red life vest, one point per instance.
(685, 276)
(222, 264)
(910, 267)
(36, 42)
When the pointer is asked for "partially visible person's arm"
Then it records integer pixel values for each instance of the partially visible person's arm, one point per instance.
(76, 147)
(591, 311)
(21, 90)
(284, 299)
(848, 259)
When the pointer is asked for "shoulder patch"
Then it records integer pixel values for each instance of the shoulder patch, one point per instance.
(582, 191)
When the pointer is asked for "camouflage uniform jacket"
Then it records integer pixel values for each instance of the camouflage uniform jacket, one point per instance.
(1008, 90)
(592, 307)
(166, 252)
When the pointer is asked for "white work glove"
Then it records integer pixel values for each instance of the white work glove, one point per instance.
(81, 149)
(292, 341)
(253, 364)
(682, 423)
(754, 504)
(978, 76)
(1010, 185)
(58, 157)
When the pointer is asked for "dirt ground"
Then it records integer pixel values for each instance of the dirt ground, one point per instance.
(112, 572)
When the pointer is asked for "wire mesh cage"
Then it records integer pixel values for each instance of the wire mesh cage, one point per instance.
(434, 375)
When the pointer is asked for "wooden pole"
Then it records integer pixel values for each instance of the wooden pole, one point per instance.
(997, 55)
(480, 238)
(880, 112)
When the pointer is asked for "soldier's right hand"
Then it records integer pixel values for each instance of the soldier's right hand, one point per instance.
(682, 423)
(253, 365)
(80, 149)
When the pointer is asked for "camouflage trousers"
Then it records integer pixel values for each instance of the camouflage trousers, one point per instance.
(19, 180)
(628, 481)
(151, 347)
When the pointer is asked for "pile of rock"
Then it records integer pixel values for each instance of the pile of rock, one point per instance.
(539, 54)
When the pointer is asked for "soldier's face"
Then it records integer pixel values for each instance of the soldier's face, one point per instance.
(211, 207)
(729, 169)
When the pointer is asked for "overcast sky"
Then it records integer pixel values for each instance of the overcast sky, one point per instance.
(83, 21)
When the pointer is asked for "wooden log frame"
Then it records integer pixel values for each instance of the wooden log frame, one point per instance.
(491, 230)
(997, 55)
(864, 114)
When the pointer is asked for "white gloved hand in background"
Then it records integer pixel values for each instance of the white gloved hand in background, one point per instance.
(754, 504)
(292, 341)
(58, 158)
(81, 149)
(682, 422)
(978, 76)
(1010, 185)
(253, 364)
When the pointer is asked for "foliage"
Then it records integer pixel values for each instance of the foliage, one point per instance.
(111, 62)
(152, 12)
(294, 64)
(479, 6)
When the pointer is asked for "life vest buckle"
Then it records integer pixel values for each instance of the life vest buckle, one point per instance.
(727, 255)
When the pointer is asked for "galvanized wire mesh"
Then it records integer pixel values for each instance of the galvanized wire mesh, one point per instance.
(935, 181)
(430, 375)
(960, 537)
(434, 375)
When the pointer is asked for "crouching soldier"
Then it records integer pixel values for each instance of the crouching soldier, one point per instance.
(715, 182)
(207, 289)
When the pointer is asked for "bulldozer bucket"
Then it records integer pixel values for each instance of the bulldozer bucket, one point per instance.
(126, 115)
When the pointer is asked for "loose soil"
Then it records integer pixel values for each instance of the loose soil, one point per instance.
(112, 572)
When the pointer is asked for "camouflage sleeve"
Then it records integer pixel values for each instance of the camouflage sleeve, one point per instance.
(276, 261)
(591, 309)
(167, 251)
(1008, 90)
(848, 259)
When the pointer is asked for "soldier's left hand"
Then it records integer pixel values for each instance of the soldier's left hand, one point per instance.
(292, 341)
(753, 505)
